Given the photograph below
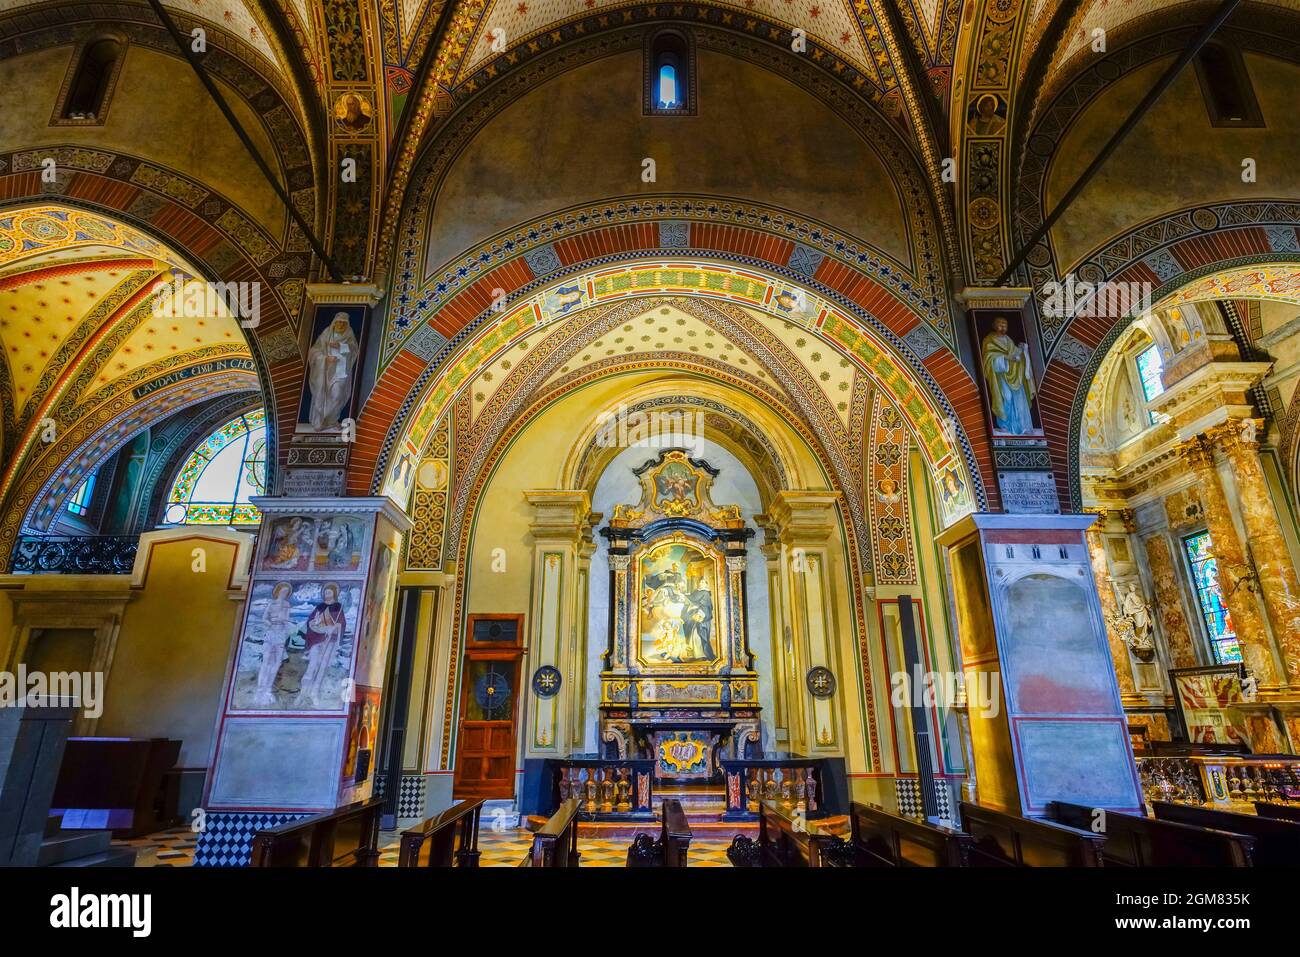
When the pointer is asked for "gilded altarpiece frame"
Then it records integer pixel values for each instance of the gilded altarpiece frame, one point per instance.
(678, 685)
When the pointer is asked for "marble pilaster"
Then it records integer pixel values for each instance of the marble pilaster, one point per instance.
(1230, 557)
(1276, 574)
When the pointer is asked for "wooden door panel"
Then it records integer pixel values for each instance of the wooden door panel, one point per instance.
(485, 762)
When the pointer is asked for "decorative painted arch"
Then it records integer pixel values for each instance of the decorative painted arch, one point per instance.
(1140, 43)
(1168, 255)
(474, 482)
(448, 110)
(923, 379)
(289, 119)
(209, 231)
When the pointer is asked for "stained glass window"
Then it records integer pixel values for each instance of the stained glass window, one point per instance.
(216, 482)
(668, 87)
(79, 502)
(1205, 575)
(1150, 372)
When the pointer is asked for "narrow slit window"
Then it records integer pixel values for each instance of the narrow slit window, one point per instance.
(1226, 87)
(79, 501)
(670, 81)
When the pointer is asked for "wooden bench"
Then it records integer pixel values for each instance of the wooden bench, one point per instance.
(1279, 812)
(1277, 842)
(345, 837)
(448, 840)
(785, 841)
(556, 844)
(1133, 841)
(1005, 840)
(884, 839)
(671, 848)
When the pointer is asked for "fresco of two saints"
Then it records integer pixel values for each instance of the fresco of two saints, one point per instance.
(677, 614)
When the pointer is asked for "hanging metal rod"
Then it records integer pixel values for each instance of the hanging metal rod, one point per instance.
(183, 44)
(1225, 10)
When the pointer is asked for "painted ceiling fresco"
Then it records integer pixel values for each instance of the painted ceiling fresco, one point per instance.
(80, 327)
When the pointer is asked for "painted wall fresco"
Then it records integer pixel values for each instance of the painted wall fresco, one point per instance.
(298, 644)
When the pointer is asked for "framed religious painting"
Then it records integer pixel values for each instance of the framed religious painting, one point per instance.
(1006, 373)
(1207, 700)
(679, 603)
(333, 370)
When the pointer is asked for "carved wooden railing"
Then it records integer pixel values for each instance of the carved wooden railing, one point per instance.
(791, 781)
(606, 788)
(448, 840)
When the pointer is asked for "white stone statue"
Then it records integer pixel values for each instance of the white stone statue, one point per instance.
(331, 362)
(1137, 613)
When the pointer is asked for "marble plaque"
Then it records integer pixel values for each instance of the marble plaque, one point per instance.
(1029, 493)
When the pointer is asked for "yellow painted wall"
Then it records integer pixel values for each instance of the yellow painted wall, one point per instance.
(159, 111)
(1196, 163)
(583, 135)
(171, 655)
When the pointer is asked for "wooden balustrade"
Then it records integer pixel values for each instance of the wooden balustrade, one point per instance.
(346, 837)
(1005, 840)
(673, 844)
(556, 844)
(448, 840)
(1133, 841)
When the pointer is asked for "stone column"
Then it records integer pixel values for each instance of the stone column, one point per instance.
(1278, 585)
(804, 522)
(1169, 607)
(1051, 727)
(1230, 558)
(1109, 610)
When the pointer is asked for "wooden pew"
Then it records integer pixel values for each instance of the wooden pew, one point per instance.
(448, 840)
(1279, 812)
(884, 839)
(345, 837)
(1277, 842)
(783, 843)
(1133, 841)
(1005, 840)
(671, 848)
(556, 844)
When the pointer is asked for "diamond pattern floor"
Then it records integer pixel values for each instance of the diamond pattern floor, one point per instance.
(175, 848)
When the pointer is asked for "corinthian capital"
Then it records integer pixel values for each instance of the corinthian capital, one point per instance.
(1197, 453)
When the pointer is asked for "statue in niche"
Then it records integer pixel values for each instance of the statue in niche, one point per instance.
(330, 364)
(1139, 635)
(1009, 379)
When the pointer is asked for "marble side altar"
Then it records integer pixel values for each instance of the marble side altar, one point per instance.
(678, 686)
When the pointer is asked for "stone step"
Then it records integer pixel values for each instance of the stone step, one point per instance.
(113, 857)
(65, 845)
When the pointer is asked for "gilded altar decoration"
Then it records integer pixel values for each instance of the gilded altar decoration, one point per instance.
(683, 753)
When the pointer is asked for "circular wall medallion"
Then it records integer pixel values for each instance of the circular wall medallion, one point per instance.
(821, 683)
(546, 681)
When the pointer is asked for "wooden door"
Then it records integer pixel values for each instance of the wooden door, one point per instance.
(485, 748)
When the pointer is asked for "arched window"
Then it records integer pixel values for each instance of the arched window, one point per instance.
(1225, 84)
(670, 81)
(216, 482)
(86, 94)
(79, 501)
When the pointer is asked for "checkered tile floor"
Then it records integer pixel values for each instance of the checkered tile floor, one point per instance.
(175, 848)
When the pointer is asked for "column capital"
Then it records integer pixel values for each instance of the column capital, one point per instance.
(560, 513)
(1236, 436)
(1216, 392)
(1197, 453)
(803, 516)
(344, 293)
